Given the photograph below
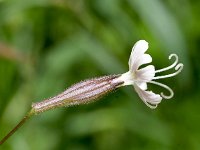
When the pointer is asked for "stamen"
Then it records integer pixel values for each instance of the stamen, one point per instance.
(166, 87)
(179, 68)
(171, 66)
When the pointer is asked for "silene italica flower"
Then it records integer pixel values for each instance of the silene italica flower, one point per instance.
(92, 89)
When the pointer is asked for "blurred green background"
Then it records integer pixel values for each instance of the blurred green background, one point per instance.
(47, 45)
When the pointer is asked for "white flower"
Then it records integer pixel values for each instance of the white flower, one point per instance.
(139, 77)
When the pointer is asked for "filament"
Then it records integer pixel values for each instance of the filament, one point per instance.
(171, 66)
(166, 87)
(179, 68)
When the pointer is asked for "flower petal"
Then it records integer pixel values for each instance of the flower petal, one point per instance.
(141, 85)
(143, 59)
(148, 97)
(145, 74)
(138, 50)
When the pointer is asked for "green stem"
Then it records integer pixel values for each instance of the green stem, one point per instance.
(16, 127)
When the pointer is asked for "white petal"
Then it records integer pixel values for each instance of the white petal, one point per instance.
(142, 85)
(145, 74)
(140, 47)
(143, 59)
(148, 97)
(138, 50)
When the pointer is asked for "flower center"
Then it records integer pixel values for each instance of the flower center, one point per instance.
(127, 78)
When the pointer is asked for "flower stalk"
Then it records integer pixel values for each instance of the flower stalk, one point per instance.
(81, 93)
(16, 128)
